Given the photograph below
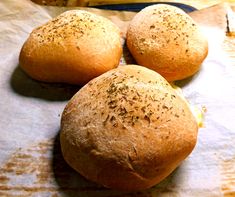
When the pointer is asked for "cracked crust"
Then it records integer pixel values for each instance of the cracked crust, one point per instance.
(127, 129)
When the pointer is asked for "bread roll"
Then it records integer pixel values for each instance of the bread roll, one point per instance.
(127, 129)
(165, 39)
(72, 48)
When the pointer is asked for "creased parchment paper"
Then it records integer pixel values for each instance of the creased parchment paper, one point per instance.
(31, 163)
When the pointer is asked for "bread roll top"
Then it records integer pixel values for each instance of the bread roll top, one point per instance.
(73, 48)
(165, 39)
(127, 129)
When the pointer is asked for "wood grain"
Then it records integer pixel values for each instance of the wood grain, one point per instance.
(195, 3)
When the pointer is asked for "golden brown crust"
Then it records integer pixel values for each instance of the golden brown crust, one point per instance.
(167, 40)
(127, 129)
(73, 48)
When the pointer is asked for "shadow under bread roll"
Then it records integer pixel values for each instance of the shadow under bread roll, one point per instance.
(127, 129)
(72, 48)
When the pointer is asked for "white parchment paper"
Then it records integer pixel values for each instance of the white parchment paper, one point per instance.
(31, 163)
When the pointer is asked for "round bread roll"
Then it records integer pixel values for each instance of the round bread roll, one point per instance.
(165, 39)
(127, 129)
(72, 48)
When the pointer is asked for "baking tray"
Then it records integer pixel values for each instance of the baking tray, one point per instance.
(31, 160)
(136, 7)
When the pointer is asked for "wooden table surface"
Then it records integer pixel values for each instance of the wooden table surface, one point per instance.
(199, 4)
